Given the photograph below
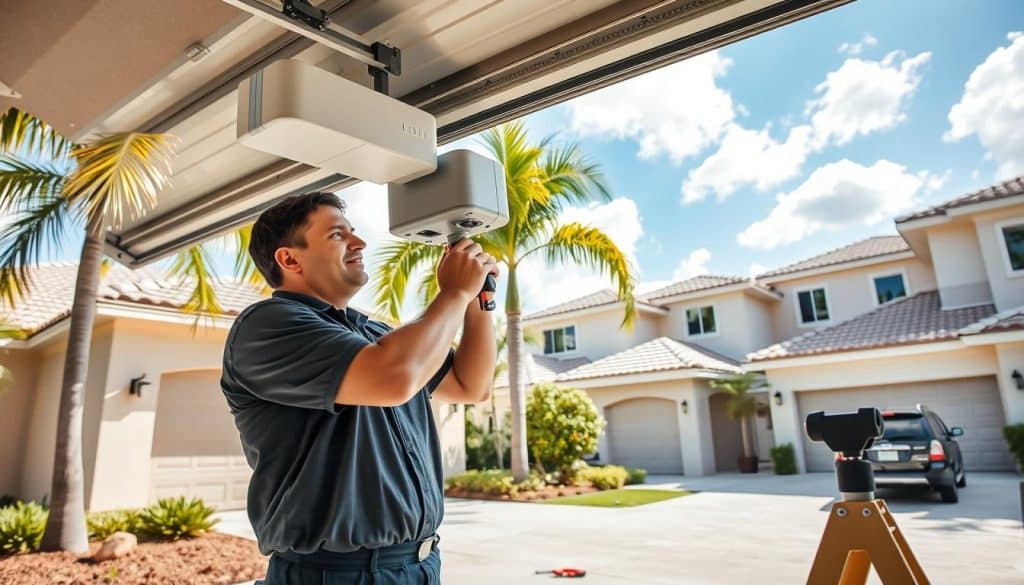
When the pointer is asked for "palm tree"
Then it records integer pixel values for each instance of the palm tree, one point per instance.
(540, 179)
(741, 404)
(48, 183)
(501, 340)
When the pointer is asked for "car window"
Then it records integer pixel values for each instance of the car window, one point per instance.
(905, 428)
(941, 423)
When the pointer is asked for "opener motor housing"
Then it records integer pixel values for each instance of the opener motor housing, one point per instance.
(464, 197)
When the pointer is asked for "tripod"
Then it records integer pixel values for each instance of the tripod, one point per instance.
(860, 531)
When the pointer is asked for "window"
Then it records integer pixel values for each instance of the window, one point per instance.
(813, 305)
(889, 288)
(701, 320)
(1013, 239)
(560, 340)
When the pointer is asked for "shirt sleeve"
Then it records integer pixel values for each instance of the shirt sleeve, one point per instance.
(442, 372)
(292, 356)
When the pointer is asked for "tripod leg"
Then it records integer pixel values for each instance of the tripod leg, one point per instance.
(855, 571)
(832, 551)
(909, 560)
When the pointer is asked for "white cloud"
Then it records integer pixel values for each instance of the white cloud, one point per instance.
(864, 96)
(992, 107)
(747, 157)
(541, 286)
(675, 111)
(854, 49)
(756, 269)
(836, 196)
(860, 97)
(693, 265)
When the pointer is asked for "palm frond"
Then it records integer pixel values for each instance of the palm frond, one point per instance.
(245, 269)
(22, 182)
(741, 402)
(588, 246)
(428, 287)
(568, 174)
(105, 265)
(9, 331)
(120, 175)
(398, 261)
(193, 266)
(21, 131)
(21, 244)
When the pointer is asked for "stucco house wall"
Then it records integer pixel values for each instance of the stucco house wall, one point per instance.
(1007, 286)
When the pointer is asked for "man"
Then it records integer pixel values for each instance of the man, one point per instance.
(333, 409)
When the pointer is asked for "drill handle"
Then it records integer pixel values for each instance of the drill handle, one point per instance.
(486, 296)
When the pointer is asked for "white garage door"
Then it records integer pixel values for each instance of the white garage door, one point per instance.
(196, 450)
(971, 403)
(644, 432)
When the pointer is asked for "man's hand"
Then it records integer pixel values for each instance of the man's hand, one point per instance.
(463, 268)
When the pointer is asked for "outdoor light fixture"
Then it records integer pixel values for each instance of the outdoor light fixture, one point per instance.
(686, 406)
(136, 385)
(778, 398)
(1018, 379)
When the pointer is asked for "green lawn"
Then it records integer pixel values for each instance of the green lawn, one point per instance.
(619, 498)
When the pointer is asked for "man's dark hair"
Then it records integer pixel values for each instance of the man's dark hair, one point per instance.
(284, 225)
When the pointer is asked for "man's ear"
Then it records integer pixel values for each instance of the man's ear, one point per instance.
(288, 260)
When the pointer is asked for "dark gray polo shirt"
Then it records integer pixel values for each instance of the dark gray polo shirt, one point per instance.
(326, 476)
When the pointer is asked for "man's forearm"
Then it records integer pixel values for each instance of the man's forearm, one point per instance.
(423, 344)
(477, 353)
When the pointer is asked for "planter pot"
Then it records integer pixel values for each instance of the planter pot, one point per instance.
(747, 464)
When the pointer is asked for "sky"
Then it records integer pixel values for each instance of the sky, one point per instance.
(781, 146)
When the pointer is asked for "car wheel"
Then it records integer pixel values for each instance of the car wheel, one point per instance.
(949, 494)
(962, 482)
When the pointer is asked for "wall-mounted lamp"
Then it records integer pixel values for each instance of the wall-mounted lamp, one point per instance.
(778, 398)
(686, 406)
(136, 385)
(1018, 379)
(455, 408)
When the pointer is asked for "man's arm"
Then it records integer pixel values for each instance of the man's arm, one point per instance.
(472, 373)
(392, 370)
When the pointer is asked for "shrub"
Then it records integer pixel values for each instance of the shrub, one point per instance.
(481, 447)
(8, 500)
(608, 477)
(636, 475)
(1014, 435)
(493, 482)
(784, 459)
(562, 425)
(175, 518)
(21, 527)
(103, 524)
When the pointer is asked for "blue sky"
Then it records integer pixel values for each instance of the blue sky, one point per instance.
(790, 143)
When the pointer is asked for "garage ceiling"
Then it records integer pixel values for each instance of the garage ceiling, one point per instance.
(115, 65)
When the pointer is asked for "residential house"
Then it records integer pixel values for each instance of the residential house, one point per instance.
(934, 315)
(175, 436)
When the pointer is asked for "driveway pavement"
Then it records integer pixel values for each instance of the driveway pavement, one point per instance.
(735, 530)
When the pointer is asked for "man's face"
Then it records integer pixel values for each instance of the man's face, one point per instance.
(332, 260)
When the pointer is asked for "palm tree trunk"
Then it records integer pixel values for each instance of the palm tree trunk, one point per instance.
(748, 445)
(497, 431)
(520, 469)
(65, 526)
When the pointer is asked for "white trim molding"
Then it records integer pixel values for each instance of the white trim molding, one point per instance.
(828, 306)
(686, 321)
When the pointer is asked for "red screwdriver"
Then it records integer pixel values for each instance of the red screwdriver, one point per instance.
(570, 573)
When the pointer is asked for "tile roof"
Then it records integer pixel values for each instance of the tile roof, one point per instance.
(1011, 188)
(602, 297)
(51, 295)
(1011, 320)
(658, 355)
(916, 319)
(541, 368)
(869, 248)
(694, 284)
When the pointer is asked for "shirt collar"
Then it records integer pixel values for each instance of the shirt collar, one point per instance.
(320, 305)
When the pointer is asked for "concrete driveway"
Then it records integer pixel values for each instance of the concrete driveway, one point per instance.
(735, 530)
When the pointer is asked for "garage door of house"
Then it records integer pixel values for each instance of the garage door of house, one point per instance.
(644, 432)
(971, 403)
(196, 451)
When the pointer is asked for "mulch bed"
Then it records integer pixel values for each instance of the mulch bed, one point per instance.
(212, 559)
(548, 492)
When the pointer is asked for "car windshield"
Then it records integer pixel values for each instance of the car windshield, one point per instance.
(904, 428)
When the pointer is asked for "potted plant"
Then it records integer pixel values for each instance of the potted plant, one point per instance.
(742, 406)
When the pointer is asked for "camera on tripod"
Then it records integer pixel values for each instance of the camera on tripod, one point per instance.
(849, 434)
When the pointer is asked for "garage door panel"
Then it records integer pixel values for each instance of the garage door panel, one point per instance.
(196, 449)
(644, 432)
(971, 403)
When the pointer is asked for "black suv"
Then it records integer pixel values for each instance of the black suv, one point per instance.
(917, 448)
